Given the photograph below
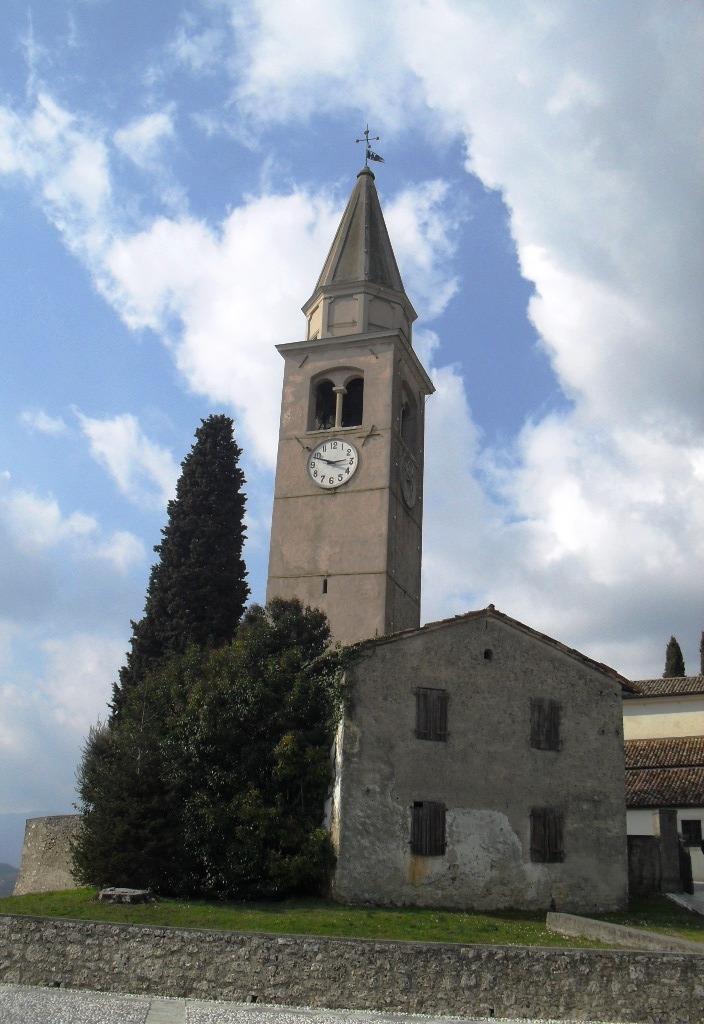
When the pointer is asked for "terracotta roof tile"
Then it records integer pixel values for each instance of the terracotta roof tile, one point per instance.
(673, 752)
(665, 787)
(671, 686)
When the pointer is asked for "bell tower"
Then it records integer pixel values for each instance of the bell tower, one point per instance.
(346, 530)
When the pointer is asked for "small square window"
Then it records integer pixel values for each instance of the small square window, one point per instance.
(546, 835)
(692, 831)
(428, 829)
(431, 714)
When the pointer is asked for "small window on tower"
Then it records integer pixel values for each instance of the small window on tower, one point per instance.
(353, 403)
(324, 406)
(408, 421)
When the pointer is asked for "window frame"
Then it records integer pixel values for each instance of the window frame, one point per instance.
(545, 723)
(431, 711)
(547, 835)
(691, 840)
(428, 828)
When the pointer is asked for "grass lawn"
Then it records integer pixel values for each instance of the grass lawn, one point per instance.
(320, 917)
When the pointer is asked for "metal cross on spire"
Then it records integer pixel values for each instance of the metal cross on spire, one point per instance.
(369, 153)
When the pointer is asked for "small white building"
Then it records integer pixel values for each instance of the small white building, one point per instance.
(663, 726)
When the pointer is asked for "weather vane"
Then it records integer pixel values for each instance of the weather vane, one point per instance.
(369, 153)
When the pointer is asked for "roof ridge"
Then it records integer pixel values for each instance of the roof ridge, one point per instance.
(493, 612)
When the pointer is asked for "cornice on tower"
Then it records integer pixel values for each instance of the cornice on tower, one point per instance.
(360, 288)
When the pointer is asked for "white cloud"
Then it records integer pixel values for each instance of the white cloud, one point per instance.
(144, 471)
(122, 550)
(41, 422)
(423, 225)
(142, 139)
(237, 292)
(66, 160)
(37, 522)
(198, 49)
(587, 120)
(43, 723)
(77, 677)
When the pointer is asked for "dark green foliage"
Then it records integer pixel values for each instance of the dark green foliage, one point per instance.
(215, 774)
(197, 590)
(674, 662)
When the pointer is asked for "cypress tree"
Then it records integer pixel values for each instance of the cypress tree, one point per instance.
(674, 662)
(198, 589)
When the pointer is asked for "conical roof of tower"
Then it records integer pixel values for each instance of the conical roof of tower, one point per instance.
(361, 249)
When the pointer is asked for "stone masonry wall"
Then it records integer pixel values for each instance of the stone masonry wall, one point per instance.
(575, 984)
(485, 772)
(46, 854)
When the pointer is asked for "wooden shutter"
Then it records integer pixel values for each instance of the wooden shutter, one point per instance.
(545, 724)
(431, 714)
(692, 831)
(546, 835)
(428, 829)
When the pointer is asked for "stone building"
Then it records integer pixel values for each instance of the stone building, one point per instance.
(479, 763)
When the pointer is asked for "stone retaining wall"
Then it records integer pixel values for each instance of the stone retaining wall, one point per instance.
(499, 981)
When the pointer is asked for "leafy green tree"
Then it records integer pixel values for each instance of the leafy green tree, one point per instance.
(198, 589)
(674, 662)
(214, 777)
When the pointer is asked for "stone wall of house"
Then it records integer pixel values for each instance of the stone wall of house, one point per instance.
(578, 984)
(46, 854)
(486, 774)
(644, 870)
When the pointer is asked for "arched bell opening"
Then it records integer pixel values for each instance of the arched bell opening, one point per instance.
(353, 403)
(325, 404)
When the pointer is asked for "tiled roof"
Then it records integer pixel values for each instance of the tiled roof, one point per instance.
(665, 787)
(490, 612)
(672, 752)
(672, 686)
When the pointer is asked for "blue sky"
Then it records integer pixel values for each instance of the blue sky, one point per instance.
(171, 176)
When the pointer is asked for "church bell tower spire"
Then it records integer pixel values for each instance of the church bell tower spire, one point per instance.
(347, 520)
(360, 267)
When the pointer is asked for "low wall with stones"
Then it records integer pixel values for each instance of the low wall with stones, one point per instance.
(499, 981)
(46, 854)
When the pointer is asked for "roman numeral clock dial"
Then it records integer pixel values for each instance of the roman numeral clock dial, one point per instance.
(332, 463)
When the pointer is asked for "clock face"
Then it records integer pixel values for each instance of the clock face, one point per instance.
(332, 463)
(409, 480)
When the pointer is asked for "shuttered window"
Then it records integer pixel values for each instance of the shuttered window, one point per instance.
(692, 831)
(546, 839)
(545, 724)
(428, 829)
(431, 714)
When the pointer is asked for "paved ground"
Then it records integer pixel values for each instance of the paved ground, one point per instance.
(21, 1004)
(695, 901)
